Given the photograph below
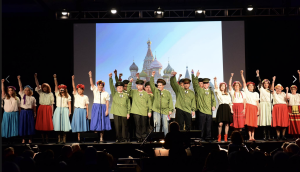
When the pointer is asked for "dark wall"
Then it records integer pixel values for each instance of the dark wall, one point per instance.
(46, 47)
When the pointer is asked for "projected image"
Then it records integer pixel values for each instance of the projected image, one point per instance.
(162, 47)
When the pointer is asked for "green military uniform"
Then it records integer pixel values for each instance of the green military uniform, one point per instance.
(185, 104)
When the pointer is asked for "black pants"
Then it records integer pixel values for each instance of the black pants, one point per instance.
(182, 117)
(141, 126)
(131, 127)
(121, 127)
(204, 119)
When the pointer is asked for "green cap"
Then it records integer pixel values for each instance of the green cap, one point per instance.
(141, 82)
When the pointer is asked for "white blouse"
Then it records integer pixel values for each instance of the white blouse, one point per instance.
(80, 101)
(294, 99)
(30, 101)
(223, 99)
(279, 98)
(62, 101)
(237, 97)
(104, 96)
(265, 95)
(12, 104)
(45, 98)
(251, 97)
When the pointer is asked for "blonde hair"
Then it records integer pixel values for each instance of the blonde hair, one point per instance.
(31, 92)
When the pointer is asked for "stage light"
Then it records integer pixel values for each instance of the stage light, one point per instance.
(199, 11)
(113, 11)
(159, 13)
(161, 141)
(250, 8)
(64, 12)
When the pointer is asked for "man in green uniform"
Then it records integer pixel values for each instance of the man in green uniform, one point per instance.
(206, 104)
(120, 109)
(185, 102)
(162, 104)
(141, 107)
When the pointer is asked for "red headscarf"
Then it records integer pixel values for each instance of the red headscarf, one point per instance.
(80, 86)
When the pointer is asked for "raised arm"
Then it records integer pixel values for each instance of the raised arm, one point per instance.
(259, 79)
(137, 76)
(116, 75)
(180, 75)
(287, 93)
(273, 82)
(20, 83)
(299, 75)
(111, 85)
(152, 84)
(129, 86)
(174, 84)
(2, 88)
(215, 82)
(230, 82)
(55, 82)
(36, 81)
(243, 79)
(73, 84)
(91, 79)
(195, 79)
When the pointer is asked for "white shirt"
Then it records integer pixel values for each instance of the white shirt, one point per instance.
(45, 98)
(279, 98)
(251, 97)
(80, 101)
(294, 99)
(237, 97)
(12, 104)
(222, 98)
(62, 101)
(104, 95)
(265, 95)
(30, 101)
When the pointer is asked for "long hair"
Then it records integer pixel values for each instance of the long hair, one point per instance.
(14, 94)
(225, 91)
(31, 92)
(66, 93)
(48, 87)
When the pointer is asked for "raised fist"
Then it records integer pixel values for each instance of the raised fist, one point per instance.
(35, 75)
(198, 73)
(274, 77)
(18, 76)
(90, 73)
(299, 72)
(215, 78)
(242, 71)
(257, 72)
(232, 74)
(180, 75)
(73, 77)
(2, 80)
(137, 75)
(174, 73)
(110, 75)
(115, 71)
(287, 88)
(54, 76)
(153, 73)
(131, 80)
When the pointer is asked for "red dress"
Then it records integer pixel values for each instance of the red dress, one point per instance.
(294, 121)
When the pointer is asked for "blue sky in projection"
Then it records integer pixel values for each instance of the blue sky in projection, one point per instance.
(197, 45)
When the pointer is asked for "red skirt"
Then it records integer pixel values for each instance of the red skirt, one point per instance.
(280, 116)
(294, 127)
(44, 118)
(251, 115)
(238, 116)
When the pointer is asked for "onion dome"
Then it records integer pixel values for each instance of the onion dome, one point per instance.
(168, 69)
(155, 64)
(143, 74)
(134, 67)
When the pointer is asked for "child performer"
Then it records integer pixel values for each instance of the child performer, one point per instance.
(100, 120)
(239, 104)
(61, 120)
(80, 122)
(252, 107)
(280, 114)
(10, 120)
(44, 121)
(120, 108)
(28, 112)
(294, 115)
(224, 113)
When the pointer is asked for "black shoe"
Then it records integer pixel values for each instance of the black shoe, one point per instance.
(278, 138)
(284, 138)
(270, 138)
(117, 141)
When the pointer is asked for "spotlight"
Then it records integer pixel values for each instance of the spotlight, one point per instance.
(113, 11)
(64, 12)
(199, 11)
(159, 13)
(250, 8)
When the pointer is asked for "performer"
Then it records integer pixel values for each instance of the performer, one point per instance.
(44, 121)
(141, 107)
(224, 113)
(252, 106)
(180, 81)
(206, 103)
(239, 104)
(200, 82)
(10, 120)
(185, 102)
(100, 120)
(151, 97)
(280, 114)
(61, 121)
(28, 112)
(162, 104)
(120, 108)
(80, 122)
(265, 107)
(294, 115)
(119, 79)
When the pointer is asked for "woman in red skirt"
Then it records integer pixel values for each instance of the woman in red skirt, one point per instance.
(280, 114)
(45, 111)
(294, 106)
(252, 106)
(239, 104)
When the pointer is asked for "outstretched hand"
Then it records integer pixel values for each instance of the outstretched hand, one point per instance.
(274, 77)
(110, 75)
(257, 72)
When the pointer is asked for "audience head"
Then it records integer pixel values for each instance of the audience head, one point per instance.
(90, 155)
(8, 151)
(66, 151)
(284, 145)
(293, 148)
(76, 147)
(236, 138)
(174, 126)
(298, 142)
